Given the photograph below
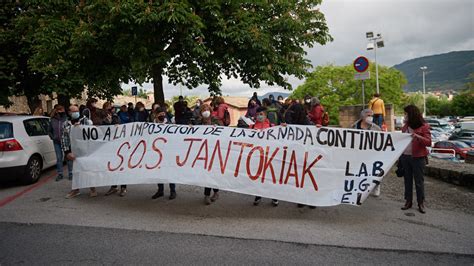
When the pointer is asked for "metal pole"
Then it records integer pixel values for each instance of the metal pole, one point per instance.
(376, 66)
(363, 95)
(424, 95)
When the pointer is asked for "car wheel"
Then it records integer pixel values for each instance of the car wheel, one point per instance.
(32, 170)
(458, 156)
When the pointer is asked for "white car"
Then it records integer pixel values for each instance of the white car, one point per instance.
(25, 147)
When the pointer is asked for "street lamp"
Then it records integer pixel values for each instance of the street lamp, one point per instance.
(424, 68)
(375, 42)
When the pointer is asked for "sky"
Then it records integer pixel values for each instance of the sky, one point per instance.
(410, 29)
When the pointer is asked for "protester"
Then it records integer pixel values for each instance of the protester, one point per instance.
(131, 110)
(255, 98)
(111, 118)
(281, 100)
(197, 110)
(205, 118)
(76, 119)
(222, 112)
(297, 116)
(155, 109)
(307, 103)
(252, 109)
(262, 122)
(124, 115)
(377, 105)
(141, 114)
(366, 122)
(94, 111)
(316, 112)
(272, 112)
(414, 158)
(180, 111)
(38, 111)
(56, 129)
(161, 118)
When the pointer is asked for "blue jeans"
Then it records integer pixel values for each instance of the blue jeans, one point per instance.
(378, 119)
(59, 160)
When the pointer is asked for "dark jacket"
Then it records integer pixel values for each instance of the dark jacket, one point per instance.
(56, 128)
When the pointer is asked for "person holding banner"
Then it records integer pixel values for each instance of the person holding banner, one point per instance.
(207, 119)
(297, 116)
(366, 123)
(262, 122)
(161, 118)
(414, 158)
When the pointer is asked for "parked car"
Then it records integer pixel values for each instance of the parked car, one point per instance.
(439, 124)
(25, 147)
(464, 126)
(460, 148)
(466, 136)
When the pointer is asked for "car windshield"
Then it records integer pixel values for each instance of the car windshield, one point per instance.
(460, 144)
(6, 130)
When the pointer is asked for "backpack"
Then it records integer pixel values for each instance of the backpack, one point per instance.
(272, 115)
(325, 119)
(226, 120)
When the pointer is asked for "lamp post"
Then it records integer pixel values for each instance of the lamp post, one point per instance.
(375, 42)
(424, 68)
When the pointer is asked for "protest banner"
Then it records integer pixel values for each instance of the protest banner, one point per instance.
(303, 164)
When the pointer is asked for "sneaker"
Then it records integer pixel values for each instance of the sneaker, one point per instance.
(376, 191)
(207, 200)
(123, 192)
(312, 207)
(301, 205)
(73, 193)
(111, 191)
(172, 195)
(93, 193)
(256, 202)
(215, 196)
(275, 203)
(59, 177)
(158, 194)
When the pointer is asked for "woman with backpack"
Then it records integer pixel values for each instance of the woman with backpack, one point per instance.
(222, 112)
(316, 112)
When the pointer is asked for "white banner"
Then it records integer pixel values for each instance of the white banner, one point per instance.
(303, 164)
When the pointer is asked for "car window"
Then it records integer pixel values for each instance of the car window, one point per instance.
(34, 127)
(45, 124)
(460, 144)
(6, 130)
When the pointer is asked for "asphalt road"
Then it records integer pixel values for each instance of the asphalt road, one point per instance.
(38, 226)
(43, 244)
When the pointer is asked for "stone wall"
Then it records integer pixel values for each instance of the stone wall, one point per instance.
(349, 114)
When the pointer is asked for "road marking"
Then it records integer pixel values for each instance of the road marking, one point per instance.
(11, 198)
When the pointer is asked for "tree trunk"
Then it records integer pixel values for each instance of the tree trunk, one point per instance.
(159, 94)
(33, 102)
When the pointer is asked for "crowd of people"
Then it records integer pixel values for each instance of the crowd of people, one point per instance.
(264, 114)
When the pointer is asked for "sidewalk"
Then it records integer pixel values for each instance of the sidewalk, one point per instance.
(378, 223)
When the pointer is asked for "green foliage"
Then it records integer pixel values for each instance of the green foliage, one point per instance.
(438, 106)
(71, 44)
(335, 86)
(463, 103)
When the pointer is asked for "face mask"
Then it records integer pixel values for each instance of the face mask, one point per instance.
(142, 109)
(308, 101)
(206, 114)
(260, 118)
(75, 115)
(368, 120)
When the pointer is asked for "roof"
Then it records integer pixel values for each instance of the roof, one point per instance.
(11, 118)
(234, 101)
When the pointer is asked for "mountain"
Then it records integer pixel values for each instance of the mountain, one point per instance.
(448, 71)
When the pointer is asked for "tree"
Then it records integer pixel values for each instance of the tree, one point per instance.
(335, 86)
(462, 103)
(195, 42)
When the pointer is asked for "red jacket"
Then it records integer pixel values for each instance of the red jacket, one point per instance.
(261, 125)
(220, 112)
(316, 114)
(419, 145)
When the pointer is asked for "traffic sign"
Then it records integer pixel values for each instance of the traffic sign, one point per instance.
(361, 64)
(362, 76)
(134, 90)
